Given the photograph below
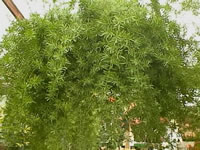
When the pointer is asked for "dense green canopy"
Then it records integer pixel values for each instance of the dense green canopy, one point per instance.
(61, 71)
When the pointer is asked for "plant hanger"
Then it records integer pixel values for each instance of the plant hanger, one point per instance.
(13, 9)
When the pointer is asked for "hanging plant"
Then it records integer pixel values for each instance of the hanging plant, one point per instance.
(59, 68)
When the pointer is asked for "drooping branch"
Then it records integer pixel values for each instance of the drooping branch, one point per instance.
(156, 6)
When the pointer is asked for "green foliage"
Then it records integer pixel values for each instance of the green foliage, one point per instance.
(60, 71)
(192, 5)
